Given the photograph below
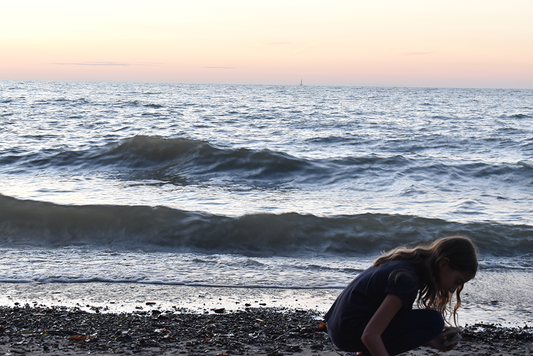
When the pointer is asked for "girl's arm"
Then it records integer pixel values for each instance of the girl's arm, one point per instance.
(376, 326)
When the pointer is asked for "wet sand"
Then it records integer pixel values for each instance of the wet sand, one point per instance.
(37, 330)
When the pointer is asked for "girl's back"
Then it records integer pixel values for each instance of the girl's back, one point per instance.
(358, 302)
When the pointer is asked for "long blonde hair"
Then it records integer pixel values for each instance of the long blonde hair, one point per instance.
(462, 255)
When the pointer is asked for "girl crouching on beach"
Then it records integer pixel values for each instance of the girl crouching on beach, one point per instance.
(374, 314)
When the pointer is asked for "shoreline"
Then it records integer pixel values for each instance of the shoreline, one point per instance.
(27, 330)
(510, 310)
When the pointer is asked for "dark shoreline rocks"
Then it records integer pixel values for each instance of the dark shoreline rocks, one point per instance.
(265, 331)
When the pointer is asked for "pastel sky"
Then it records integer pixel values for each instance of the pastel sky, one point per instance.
(453, 43)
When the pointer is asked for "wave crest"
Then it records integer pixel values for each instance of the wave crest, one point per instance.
(173, 158)
(32, 223)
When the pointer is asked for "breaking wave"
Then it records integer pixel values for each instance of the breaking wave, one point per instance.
(184, 161)
(40, 224)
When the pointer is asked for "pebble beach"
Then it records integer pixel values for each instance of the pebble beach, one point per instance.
(39, 330)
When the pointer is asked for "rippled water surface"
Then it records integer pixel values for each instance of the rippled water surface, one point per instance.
(458, 154)
(259, 186)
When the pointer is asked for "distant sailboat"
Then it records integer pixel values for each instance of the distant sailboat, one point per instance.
(301, 82)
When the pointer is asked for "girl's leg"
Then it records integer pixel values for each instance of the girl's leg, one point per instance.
(412, 328)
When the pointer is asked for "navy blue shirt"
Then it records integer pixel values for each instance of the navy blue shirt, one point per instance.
(355, 306)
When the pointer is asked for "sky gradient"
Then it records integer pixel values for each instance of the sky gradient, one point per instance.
(450, 43)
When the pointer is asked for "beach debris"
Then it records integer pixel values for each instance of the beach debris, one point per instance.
(78, 338)
(322, 326)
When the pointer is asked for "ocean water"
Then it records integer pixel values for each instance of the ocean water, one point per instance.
(278, 189)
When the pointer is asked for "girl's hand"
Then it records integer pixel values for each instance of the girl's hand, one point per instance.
(441, 342)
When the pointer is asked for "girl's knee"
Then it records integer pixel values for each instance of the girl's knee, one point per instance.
(435, 322)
